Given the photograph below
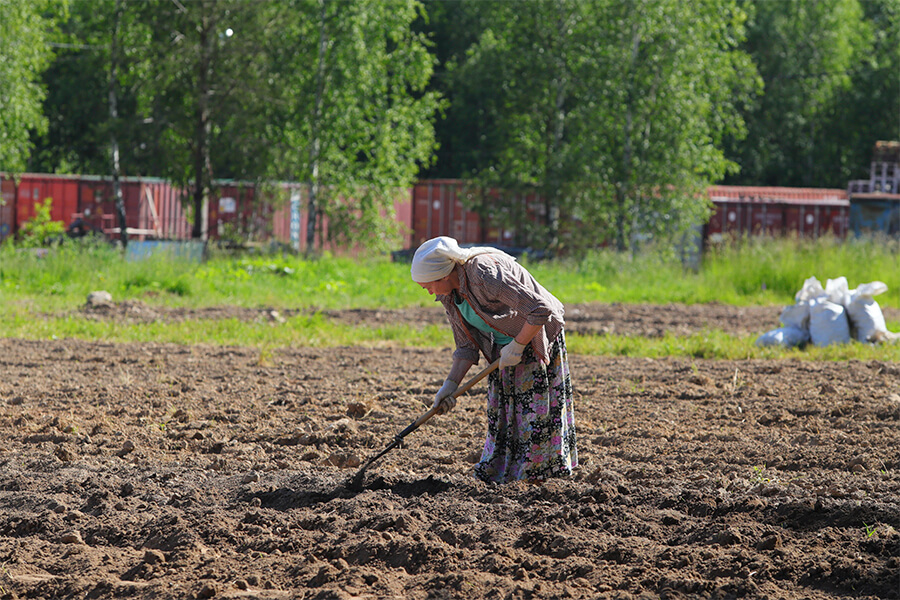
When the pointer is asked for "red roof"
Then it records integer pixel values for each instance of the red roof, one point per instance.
(776, 194)
(875, 196)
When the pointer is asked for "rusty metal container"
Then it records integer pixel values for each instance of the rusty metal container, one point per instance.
(776, 211)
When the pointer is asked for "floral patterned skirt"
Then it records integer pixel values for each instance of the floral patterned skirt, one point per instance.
(531, 422)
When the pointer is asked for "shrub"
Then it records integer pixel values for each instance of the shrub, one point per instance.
(41, 229)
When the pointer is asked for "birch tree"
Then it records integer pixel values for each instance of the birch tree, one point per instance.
(612, 111)
(26, 30)
(207, 89)
(356, 121)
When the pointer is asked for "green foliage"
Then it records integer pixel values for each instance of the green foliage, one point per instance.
(58, 283)
(26, 27)
(617, 112)
(310, 330)
(464, 132)
(762, 267)
(78, 84)
(294, 281)
(754, 272)
(63, 277)
(716, 345)
(808, 54)
(869, 108)
(315, 330)
(41, 229)
(356, 121)
(759, 476)
(614, 112)
(208, 61)
(207, 89)
(142, 283)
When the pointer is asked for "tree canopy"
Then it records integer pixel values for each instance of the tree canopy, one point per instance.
(613, 112)
(807, 54)
(601, 116)
(356, 118)
(27, 28)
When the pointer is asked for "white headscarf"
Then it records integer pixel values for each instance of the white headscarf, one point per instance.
(437, 257)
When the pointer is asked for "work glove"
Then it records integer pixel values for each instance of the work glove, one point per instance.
(444, 400)
(511, 354)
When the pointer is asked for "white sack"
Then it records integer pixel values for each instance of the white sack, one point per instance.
(866, 318)
(796, 316)
(828, 323)
(788, 337)
(838, 291)
(811, 289)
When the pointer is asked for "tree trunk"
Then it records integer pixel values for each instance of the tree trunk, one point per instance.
(622, 186)
(114, 117)
(316, 142)
(558, 127)
(202, 162)
(312, 212)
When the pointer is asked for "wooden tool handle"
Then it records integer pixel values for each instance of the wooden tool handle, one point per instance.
(356, 482)
(459, 392)
(478, 377)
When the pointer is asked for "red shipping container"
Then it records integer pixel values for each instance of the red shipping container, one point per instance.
(7, 207)
(235, 203)
(438, 209)
(297, 195)
(153, 207)
(170, 214)
(747, 210)
(34, 189)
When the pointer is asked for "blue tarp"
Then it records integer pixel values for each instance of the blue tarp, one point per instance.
(871, 216)
(190, 250)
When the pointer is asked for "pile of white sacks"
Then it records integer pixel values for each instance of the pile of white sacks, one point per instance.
(834, 314)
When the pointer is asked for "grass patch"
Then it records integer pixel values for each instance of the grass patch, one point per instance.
(754, 272)
(63, 277)
(718, 345)
(314, 331)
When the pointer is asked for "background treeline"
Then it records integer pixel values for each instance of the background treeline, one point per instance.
(617, 113)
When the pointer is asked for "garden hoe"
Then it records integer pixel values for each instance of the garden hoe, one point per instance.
(355, 484)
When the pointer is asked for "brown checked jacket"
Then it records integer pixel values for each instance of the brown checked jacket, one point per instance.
(507, 297)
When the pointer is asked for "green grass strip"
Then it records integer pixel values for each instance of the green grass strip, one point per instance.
(313, 331)
(316, 331)
(754, 272)
(719, 345)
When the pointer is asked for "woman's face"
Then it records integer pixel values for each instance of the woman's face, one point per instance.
(441, 286)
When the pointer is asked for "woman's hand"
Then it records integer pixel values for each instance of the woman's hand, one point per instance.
(511, 354)
(444, 401)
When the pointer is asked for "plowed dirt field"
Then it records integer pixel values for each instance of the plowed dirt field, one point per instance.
(167, 472)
